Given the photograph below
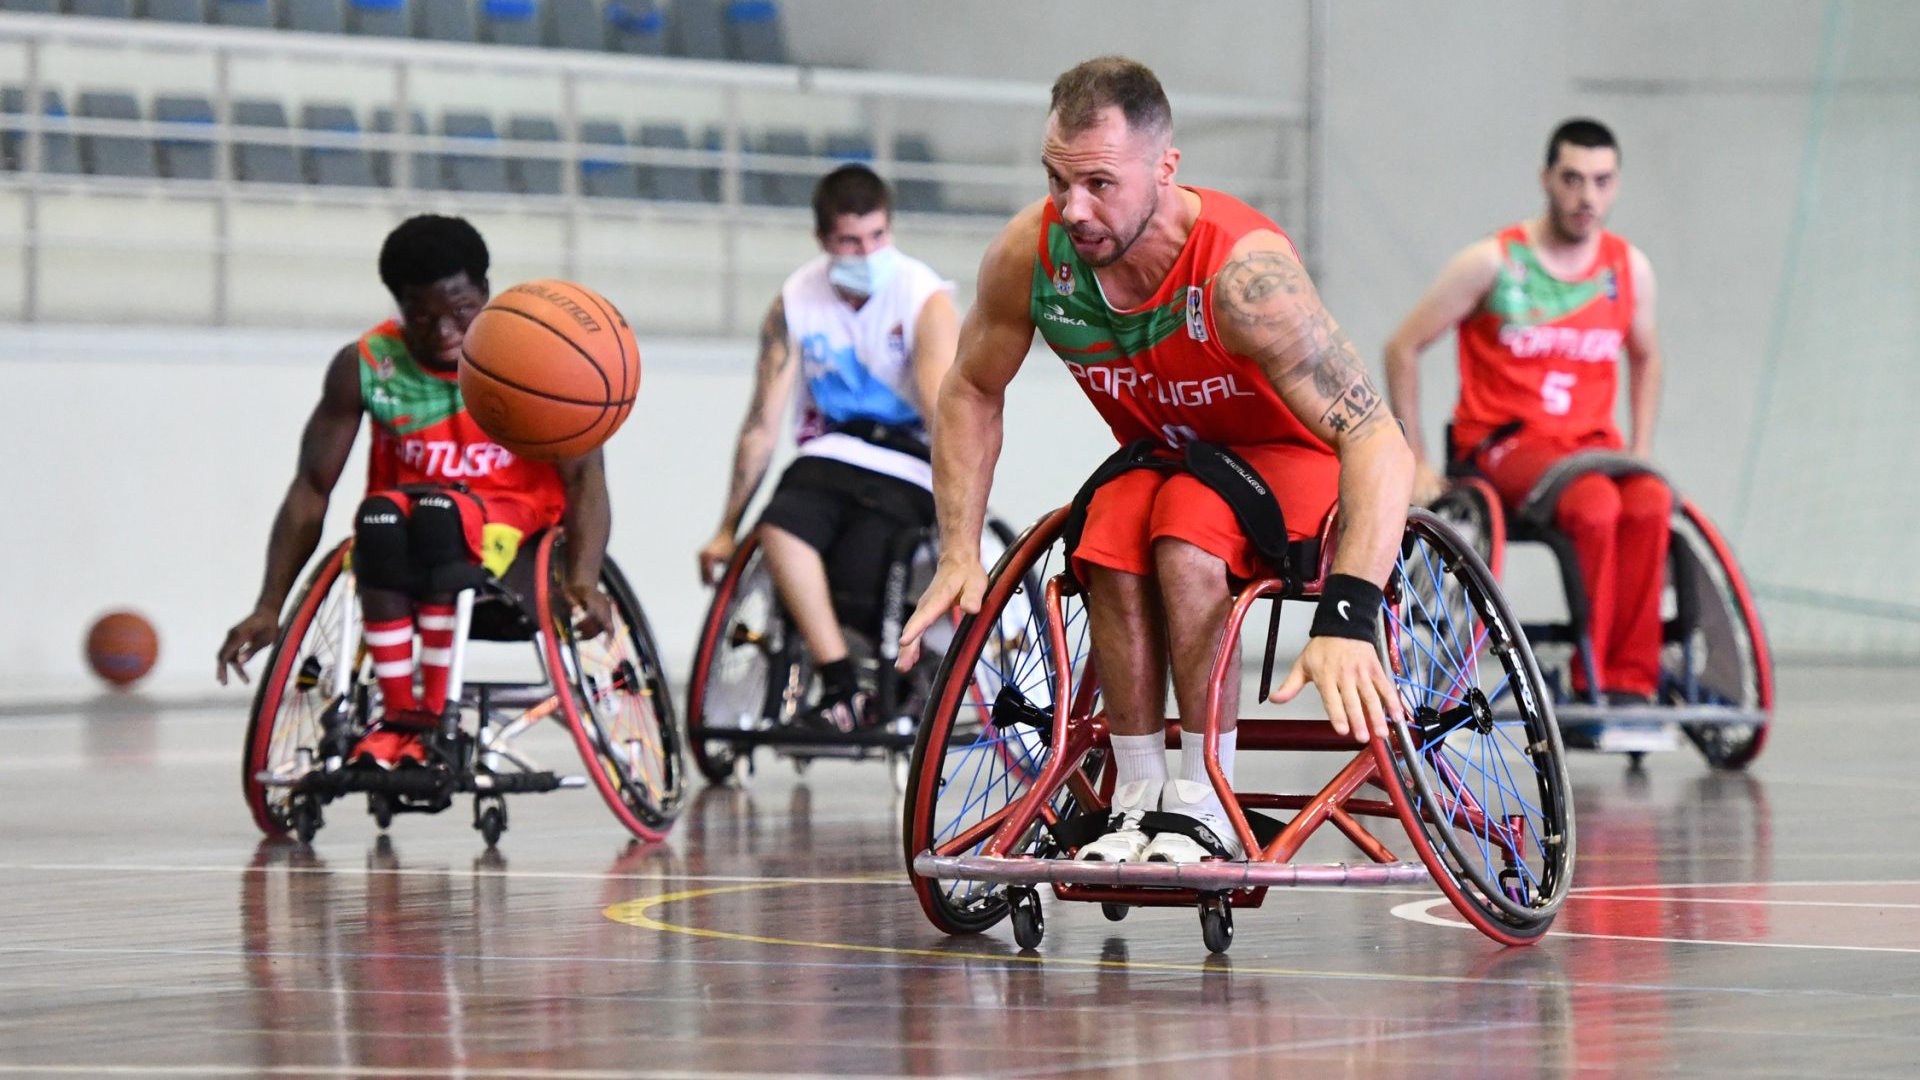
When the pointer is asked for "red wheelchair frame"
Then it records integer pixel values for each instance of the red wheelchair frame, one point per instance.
(1017, 846)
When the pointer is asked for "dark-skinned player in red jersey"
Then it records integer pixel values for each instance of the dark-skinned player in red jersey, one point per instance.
(442, 496)
(1186, 317)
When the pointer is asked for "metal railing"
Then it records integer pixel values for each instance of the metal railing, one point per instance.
(981, 186)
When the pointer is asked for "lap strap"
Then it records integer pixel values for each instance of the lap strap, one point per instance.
(1224, 472)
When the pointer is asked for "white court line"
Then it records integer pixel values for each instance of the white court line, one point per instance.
(1420, 911)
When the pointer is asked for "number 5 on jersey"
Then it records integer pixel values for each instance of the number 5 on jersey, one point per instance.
(1556, 392)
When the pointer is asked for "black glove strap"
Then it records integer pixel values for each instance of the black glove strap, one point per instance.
(1349, 608)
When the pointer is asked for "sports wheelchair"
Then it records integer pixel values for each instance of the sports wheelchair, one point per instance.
(318, 694)
(1011, 768)
(1716, 681)
(751, 672)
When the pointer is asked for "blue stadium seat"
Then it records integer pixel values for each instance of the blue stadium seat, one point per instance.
(32, 7)
(58, 153)
(781, 188)
(189, 11)
(916, 194)
(184, 157)
(510, 22)
(534, 176)
(378, 18)
(636, 26)
(753, 32)
(850, 146)
(114, 155)
(446, 20)
(466, 172)
(676, 183)
(242, 13)
(314, 16)
(602, 178)
(698, 29)
(336, 166)
(426, 166)
(263, 163)
(102, 9)
(575, 24)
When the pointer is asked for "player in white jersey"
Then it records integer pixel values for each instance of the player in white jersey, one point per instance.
(859, 339)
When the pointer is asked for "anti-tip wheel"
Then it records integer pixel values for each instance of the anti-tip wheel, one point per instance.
(1029, 926)
(1216, 923)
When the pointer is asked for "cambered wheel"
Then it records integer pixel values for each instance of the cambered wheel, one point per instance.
(1478, 769)
(297, 701)
(985, 735)
(613, 693)
(748, 669)
(1725, 659)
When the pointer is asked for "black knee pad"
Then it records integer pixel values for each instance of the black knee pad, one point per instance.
(438, 544)
(380, 552)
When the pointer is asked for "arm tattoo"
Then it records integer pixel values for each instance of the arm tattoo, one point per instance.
(1268, 299)
(775, 357)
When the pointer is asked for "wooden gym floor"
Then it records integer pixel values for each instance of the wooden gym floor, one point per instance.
(1729, 925)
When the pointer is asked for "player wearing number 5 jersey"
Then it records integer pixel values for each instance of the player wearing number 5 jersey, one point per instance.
(1543, 312)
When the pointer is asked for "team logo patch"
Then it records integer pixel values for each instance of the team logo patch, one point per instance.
(1608, 285)
(1196, 313)
(1063, 279)
(897, 342)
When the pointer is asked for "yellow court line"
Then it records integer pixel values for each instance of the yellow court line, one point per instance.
(637, 913)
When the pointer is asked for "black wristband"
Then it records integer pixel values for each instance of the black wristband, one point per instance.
(1349, 608)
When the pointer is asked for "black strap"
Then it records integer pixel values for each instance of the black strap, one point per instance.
(910, 440)
(1227, 474)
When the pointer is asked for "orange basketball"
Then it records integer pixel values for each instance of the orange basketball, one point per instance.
(122, 647)
(549, 369)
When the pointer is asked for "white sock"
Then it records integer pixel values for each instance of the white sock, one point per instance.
(1193, 757)
(1139, 757)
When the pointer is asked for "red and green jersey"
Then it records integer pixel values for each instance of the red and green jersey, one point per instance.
(1545, 351)
(422, 434)
(1158, 370)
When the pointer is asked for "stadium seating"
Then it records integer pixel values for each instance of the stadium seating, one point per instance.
(114, 155)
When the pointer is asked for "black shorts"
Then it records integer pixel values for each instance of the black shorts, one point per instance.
(852, 517)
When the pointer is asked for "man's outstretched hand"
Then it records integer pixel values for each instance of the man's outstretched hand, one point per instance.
(957, 583)
(1358, 694)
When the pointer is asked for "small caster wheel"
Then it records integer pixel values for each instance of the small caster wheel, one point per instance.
(1636, 761)
(1216, 923)
(1114, 912)
(490, 817)
(1029, 926)
(801, 765)
(306, 818)
(381, 808)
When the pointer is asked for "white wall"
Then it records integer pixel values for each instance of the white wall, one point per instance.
(144, 467)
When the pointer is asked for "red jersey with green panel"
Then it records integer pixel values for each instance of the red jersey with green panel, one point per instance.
(1158, 371)
(422, 434)
(1545, 351)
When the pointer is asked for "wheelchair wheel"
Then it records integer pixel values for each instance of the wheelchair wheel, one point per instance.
(748, 668)
(985, 735)
(615, 698)
(1722, 658)
(295, 700)
(1471, 508)
(1479, 770)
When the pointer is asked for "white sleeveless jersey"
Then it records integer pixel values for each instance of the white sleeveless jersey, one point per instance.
(858, 364)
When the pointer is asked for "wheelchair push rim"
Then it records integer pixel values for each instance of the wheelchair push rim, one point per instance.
(616, 701)
(1478, 763)
(1746, 660)
(745, 672)
(972, 761)
(295, 692)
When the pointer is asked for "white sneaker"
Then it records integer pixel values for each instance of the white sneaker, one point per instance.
(1196, 801)
(1124, 840)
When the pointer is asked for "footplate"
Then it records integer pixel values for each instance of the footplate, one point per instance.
(1210, 876)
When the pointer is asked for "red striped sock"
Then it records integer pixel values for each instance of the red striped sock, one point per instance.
(391, 644)
(436, 653)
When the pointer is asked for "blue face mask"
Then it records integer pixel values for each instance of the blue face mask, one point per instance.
(864, 275)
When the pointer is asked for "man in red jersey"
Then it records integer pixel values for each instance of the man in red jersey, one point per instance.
(442, 495)
(1187, 318)
(1543, 310)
